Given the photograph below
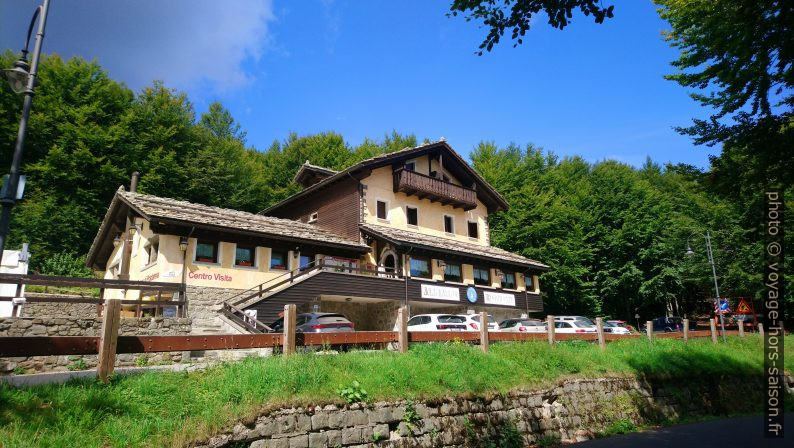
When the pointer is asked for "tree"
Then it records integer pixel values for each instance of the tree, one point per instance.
(220, 122)
(516, 15)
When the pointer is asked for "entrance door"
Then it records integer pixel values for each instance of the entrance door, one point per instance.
(389, 263)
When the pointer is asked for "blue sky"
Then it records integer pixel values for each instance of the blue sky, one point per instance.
(364, 69)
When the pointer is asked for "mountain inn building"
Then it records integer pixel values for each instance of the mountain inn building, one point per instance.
(406, 228)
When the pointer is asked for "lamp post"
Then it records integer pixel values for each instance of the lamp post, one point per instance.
(22, 79)
(689, 253)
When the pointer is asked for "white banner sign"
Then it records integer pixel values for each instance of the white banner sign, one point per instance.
(499, 298)
(440, 292)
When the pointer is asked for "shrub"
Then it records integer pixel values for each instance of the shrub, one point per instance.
(353, 393)
(66, 264)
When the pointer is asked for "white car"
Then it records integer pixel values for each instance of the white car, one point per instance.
(612, 328)
(522, 326)
(473, 322)
(435, 322)
(573, 326)
(583, 319)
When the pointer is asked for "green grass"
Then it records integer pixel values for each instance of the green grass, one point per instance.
(171, 409)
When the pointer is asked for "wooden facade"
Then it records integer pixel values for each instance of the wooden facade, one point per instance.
(436, 190)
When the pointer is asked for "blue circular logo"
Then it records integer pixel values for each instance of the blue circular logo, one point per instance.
(471, 294)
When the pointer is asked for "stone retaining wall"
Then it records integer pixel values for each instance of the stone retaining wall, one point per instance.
(57, 309)
(67, 326)
(574, 410)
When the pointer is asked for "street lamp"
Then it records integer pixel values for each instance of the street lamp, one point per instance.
(689, 253)
(22, 79)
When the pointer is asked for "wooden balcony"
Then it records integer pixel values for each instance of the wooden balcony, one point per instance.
(436, 190)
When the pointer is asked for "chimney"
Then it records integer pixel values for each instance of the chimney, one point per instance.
(134, 182)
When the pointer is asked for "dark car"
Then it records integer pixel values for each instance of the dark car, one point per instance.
(669, 324)
(316, 323)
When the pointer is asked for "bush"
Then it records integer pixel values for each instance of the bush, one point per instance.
(66, 264)
(353, 393)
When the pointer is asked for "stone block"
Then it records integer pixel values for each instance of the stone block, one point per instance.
(318, 439)
(303, 423)
(351, 436)
(334, 437)
(299, 441)
(319, 420)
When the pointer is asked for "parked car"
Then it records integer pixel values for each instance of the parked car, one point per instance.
(435, 322)
(620, 323)
(573, 326)
(613, 328)
(668, 324)
(522, 326)
(582, 319)
(473, 322)
(317, 323)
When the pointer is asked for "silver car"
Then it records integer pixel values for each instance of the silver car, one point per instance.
(317, 323)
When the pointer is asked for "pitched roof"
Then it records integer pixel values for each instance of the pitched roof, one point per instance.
(187, 213)
(309, 174)
(486, 191)
(436, 243)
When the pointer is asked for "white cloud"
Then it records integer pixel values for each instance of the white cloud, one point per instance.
(189, 44)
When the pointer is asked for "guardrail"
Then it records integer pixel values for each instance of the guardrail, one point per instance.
(109, 343)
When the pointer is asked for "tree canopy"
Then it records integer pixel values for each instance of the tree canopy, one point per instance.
(516, 15)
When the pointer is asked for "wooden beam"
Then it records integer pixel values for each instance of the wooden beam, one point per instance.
(289, 329)
(402, 329)
(108, 339)
(600, 330)
(484, 331)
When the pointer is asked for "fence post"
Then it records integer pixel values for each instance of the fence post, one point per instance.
(741, 329)
(761, 331)
(686, 330)
(600, 329)
(108, 339)
(484, 331)
(713, 330)
(289, 329)
(550, 329)
(402, 329)
(649, 330)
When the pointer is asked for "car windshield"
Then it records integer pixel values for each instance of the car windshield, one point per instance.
(531, 323)
(450, 319)
(610, 324)
(508, 323)
(584, 322)
(674, 320)
(580, 324)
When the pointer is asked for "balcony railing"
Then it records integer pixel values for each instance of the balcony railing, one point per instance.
(436, 190)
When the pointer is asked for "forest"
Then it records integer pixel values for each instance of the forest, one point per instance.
(614, 235)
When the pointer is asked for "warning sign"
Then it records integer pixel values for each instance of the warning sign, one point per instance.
(744, 307)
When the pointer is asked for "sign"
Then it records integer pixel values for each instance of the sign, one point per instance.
(499, 298)
(207, 276)
(439, 292)
(743, 307)
(471, 294)
(724, 306)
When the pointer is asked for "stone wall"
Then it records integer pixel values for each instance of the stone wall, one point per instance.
(66, 326)
(53, 309)
(203, 304)
(574, 410)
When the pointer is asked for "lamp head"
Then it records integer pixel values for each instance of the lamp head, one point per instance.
(689, 251)
(183, 243)
(117, 241)
(18, 76)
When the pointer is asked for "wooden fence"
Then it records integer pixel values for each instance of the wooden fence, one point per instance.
(158, 290)
(109, 343)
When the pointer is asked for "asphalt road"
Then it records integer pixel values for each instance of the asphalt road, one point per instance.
(737, 432)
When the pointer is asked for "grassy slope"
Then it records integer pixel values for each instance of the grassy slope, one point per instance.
(160, 409)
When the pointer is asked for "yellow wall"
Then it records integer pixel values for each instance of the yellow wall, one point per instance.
(380, 186)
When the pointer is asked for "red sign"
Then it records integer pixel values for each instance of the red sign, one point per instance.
(205, 276)
(743, 307)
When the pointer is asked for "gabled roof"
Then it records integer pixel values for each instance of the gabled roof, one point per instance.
(172, 211)
(309, 174)
(406, 238)
(460, 169)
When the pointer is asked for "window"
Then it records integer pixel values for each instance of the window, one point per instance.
(419, 320)
(381, 209)
(278, 260)
(508, 280)
(206, 252)
(482, 276)
(412, 215)
(528, 280)
(313, 217)
(449, 224)
(420, 267)
(305, 261)
(245, 256)
(410, 165)
(452, 273)
(473, 230)
(151, 248)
